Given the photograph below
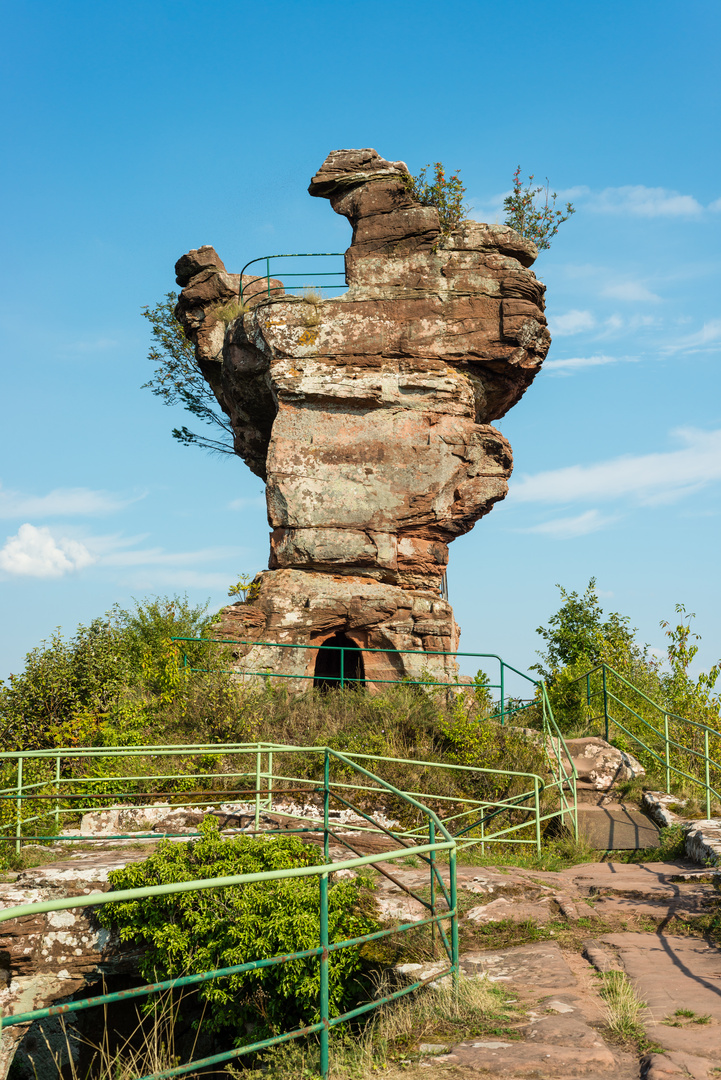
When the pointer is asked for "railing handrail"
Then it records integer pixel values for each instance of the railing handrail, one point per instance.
(607, 694)
(644, 695)
(439, 840)
(292, 255)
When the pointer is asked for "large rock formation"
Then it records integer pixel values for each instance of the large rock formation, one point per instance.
(369, 416)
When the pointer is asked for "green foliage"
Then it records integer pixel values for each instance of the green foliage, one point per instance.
(245, 587)
(179, 381)
(578, 634)
(104, 682)
(192, 932)
(537, 220)
(444, 192)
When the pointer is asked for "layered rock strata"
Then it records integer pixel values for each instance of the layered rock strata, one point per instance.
(369, 415)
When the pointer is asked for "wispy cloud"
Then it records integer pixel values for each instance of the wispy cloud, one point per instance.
(158, 556)
(707, 339)
(246, 501)
(63, 502)
(631, 291)
(573, 322)
(569, 527)
(576, 363)
(647, 478)
(34, 552)
(640, 201)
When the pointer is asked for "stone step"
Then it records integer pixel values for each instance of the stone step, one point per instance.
(616, 827)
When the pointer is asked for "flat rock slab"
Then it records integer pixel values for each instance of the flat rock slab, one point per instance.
(533, 1058)
(615, 827)
(528, 969)
(516, 911)
(669, 973)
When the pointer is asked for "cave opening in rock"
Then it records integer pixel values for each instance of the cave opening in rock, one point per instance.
(339, 663)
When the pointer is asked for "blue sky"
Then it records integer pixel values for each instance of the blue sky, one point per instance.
(134, 132)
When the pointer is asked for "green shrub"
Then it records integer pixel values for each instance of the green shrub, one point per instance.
(192, 932)
(442, 192)
(104, 684)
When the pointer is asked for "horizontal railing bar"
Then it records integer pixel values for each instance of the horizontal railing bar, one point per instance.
(207, 976)
(123, 895)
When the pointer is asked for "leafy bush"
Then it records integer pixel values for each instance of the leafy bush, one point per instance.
(104, 683)
(578, 638)
(445, 193)
(536, 220)
(193, 932)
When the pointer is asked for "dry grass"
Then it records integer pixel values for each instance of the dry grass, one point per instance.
(624, 1008)
(435, 1014)
(150, 1048)
(230, 311)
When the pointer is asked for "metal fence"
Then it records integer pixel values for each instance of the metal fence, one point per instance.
(261, 284)
(681, 747)
(431, 839)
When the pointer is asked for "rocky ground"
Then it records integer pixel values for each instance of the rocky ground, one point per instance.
(546, 936)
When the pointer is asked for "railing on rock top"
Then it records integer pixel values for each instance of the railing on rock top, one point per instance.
(256, 287)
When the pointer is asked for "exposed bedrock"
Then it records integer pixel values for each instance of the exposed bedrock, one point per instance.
(369, 415)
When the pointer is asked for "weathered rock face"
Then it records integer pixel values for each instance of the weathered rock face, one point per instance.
(369, 415)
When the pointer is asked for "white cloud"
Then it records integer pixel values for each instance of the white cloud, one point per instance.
(704, 340)
(573, 322)
(575, 363)
(715, 206)
(648, 478)
(91, 346)
(633, 291)
(570, 527)
(641, 201)
(34, 552)
(62, 502)
(245, 501)
(159, 557)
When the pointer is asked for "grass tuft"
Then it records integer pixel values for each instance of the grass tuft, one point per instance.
(624, 1008)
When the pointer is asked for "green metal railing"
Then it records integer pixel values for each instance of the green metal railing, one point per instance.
(688, 742)
(255, 287)
(559, 761)
(347, 658)
(43, 790)
(441, 905)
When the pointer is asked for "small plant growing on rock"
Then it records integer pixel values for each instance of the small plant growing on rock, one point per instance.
(245, 587)
(227, 313)
(536, 219)
(444, 192)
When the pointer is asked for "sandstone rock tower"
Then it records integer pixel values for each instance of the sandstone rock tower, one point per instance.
(368, 417)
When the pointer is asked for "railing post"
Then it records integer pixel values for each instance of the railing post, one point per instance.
(18, 807)
(667, 752)
(454, 917)
(503, 707)
(270, 780)
(537, 805)
(257, 787)
(326, 807)
(605, 701)
(267, 273)
(342, 665)
(708, 776)
(57, 793)
(483, 831)
(324, 989)
(432, 859)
